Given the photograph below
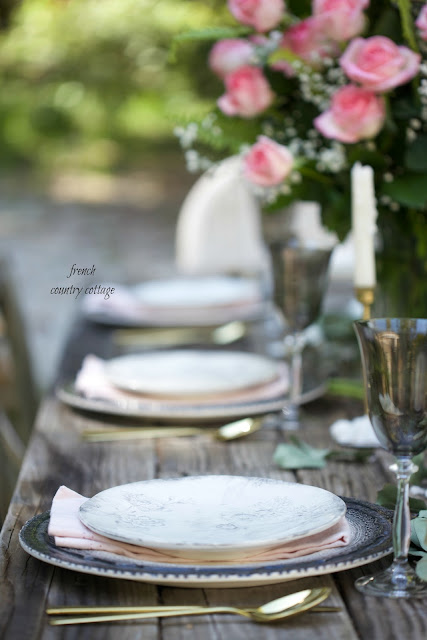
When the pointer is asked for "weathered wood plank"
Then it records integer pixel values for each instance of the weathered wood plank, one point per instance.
(58, 455)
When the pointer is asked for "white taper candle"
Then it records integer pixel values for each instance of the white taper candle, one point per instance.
(364, 215)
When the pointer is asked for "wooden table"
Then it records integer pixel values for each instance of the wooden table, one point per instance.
(57, 455)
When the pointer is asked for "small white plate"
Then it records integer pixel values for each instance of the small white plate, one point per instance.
(190, 373)
(211, 517)
(202, 292)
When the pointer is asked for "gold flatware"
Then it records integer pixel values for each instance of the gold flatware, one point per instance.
(153, 609)
(174, 336)
(229, 431)
(279, 609)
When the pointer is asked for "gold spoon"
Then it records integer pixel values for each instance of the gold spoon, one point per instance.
(284, 607)
(229, 431)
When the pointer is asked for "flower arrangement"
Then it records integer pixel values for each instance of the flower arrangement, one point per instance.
(312, 87)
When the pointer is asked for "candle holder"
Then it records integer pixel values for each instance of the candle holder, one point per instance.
(366, 296)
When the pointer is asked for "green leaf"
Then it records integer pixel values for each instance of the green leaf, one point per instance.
(409, 190)
(346, 387)
(299, 455)
(419, 530)
(404, 109)
(388, 24)
(421, 568)
(212, 33)
(387, 496)
(420, 475)
(416, 154)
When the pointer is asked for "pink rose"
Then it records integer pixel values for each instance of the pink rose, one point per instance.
(377, 63)
(355, 114)
(228, 55)
(421, 22)
(345, 17)
(267, 163)
(263, 15)
(247, 93)
(307, 40)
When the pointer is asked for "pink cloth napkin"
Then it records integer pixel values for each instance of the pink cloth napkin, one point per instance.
(68, 531)
(93, 382)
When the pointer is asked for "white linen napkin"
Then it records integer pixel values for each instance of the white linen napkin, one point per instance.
(68, 531)
(92, 381)
(219, 225)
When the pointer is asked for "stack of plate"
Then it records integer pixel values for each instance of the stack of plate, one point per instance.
(196, 301)
(212, 518)
(181, 384)
(209, 530)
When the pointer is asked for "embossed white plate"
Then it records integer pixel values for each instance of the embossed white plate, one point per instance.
(211, 517)
(190, 372)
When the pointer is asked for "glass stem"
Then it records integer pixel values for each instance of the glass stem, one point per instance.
(402, 517)
(292, 410)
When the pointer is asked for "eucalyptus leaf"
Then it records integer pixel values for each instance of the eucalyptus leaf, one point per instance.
(421, 568)
(419, 530)
(387, 497)
(299, 455)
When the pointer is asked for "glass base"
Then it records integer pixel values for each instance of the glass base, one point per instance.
(398, 581)
(290, 418)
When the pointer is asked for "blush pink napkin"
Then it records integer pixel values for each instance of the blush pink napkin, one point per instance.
(68, 531)
(93, 382)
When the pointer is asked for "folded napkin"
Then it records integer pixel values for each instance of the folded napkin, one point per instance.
(219, 224)
(68, 531)
(93, 382)
(355, 433)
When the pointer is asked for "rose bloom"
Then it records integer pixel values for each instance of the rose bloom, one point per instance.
(247, 93)
(228, 55)
(263, 15)
(307, 40)
(267, 163)
(345, 17)
(355, 114)
(421, 22)
(378, 64)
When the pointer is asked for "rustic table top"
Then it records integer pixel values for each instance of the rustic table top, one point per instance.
(57, 455)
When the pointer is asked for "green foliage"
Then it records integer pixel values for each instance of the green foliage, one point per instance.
(387, 497)
(77, 74)
(416, 154)
(409, 190)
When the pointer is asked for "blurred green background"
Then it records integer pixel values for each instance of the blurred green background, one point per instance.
(96, 84)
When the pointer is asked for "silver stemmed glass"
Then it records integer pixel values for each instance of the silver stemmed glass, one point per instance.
(300, 279)
(394, 358)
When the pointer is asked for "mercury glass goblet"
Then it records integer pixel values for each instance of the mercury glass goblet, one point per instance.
(394, 358)
(300, 280)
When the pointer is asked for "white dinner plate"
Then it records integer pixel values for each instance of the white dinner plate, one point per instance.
(190, 373)
(201, 292)
(211, 517)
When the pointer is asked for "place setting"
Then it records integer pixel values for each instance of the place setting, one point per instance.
(179, 384)
(179, 302)
(208, 531)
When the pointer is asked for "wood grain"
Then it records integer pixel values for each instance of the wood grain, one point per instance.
(57, 455)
